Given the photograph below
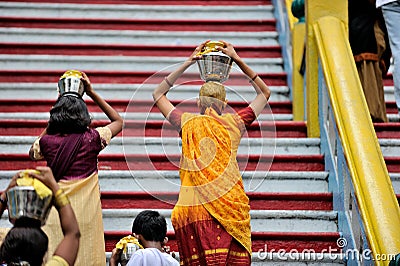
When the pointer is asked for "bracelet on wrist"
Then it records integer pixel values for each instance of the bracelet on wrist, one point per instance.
(168, 82)
(58, 192)
(254, 78)
(61, 199)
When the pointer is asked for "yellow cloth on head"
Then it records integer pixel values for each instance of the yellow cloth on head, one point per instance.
(125, 240)
(26, 180)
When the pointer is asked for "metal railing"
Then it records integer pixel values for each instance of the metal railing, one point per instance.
(369, 214)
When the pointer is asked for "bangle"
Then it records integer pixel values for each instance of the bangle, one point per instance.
(169, 83)
(256, 76)
(60, 200)
(58, 192)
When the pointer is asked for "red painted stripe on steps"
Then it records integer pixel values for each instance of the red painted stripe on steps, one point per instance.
(258, 201)
(392, 164)
(139, 24)
(387, 130)
(261, 241)
(133, 128)
(128, 50)
(388, 80)
(44, 105)
(391, 107)
(171, 162)
(265, 129)
(131, 77)
(154, 2)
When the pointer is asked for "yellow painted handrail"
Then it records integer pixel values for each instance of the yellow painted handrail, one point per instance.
(373, 189)
(291, 19)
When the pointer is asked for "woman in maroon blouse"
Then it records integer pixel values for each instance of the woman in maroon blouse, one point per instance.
(71, 150)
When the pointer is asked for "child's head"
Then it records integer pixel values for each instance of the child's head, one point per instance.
(212, 93)
(68, 115)
(26, 241)
(151, 225)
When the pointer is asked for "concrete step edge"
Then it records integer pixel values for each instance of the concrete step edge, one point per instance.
(173, 141)
(122, 58)
(132, 116)
(126, 174)
(254, 214)
(119, 63)
(277, 258)
(87, 33)
(131, 37)
(51, 87)
(130, 7)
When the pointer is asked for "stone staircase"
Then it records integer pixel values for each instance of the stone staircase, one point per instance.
(121, 45)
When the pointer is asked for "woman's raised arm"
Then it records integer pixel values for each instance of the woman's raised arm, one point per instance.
(262, 90)
(159, 94)
(116, 120)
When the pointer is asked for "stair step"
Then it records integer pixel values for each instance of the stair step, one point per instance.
(390, 147)
(182, 25)
(298, 259)
(388, 130)
(299, 241)
(72, 36)
(130, 116)
(273, 79)
(127, 50)
(44, 105)
(395, 177)
(154, 145)
(170, 145)
(110, 91)
(171, 162)
(258, 200)
(275, 258)
(393, 163)
(153, 2)
(274, 220)
(121, 63)
(162, 181)
(136, 12)
(391, 107)
(283, 129)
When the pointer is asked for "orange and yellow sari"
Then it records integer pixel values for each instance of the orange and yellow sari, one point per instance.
(211, 218)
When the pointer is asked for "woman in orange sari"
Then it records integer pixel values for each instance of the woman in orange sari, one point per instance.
(211, 218)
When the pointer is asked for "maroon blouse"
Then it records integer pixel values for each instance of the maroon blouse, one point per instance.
(85, 162)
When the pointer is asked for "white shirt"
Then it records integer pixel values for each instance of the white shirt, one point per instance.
(151, 257)
(380, 3)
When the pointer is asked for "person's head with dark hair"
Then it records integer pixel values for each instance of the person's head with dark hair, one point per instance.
(25, 242)
(150, 226)
(68, 115)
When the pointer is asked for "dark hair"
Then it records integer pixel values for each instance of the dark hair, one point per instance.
(26, 241)
(68, 115)
(151, 225)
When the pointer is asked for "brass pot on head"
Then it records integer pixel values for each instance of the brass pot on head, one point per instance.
(214, 65)
(24, 201)
(70, 83)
